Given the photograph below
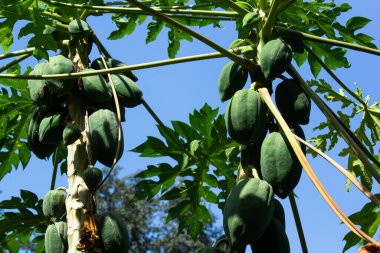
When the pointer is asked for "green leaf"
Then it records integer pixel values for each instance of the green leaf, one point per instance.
(125, 27)
(154, 28)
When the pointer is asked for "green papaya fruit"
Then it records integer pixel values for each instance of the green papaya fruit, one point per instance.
(274, 240)
(251, 19)
(51, 129)
(104, 136)
(79, 28)
(59, 65)
(113, 232)
(231, 79)
(71, 133)
(246, 116)
(96, 88)
(293, 103)
(279, 164)
(128, 91)
(238, 43)
(53, 205)
(56, 238)
(112, 63)
(274, 58)
(279, 212)
(248, 211)
(92, 177)
(249, 52)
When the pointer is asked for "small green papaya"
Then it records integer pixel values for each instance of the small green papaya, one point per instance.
(71, 133)
(279, 164)
(250, 157)
(249, 52)
(128, 91)
(274, 240)
(41, 150)
(274, 58)
(113, 232)
(96, 88)
(238, 43)
(112, 63)
(59, 65)
(79, 28)
(92, 177)
(231, 79)
(104, 136)
(293, 103)
(245, 117)
(56, 238)
(51, 129)
(251, 19)
(248, 211)
(53, 205)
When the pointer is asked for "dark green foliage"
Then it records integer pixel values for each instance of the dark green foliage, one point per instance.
(128, 91)
(113, 232)
(293, 103)
(274, 240)
(51, 129)
(56, 238)
(96, 88)
(248, 211)
(231, 79)
(279, 164)
(246, 117)
(71, 133)
(41, 150)
(275, 57)
(79, 28)
(112, 63)
(53, 205)
(104, 136)
(59, 65)
(92, 177)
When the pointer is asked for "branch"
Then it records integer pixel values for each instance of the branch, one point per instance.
(309, 171)
(16, 53)
(289, 33)
(297, 220)
(236, 7)
(55, 167)
(335, 77)
(14, 62)
(350, 177)
(249, 65)
(265, 32)
(358, 147)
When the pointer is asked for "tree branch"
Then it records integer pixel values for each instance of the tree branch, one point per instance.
(14, 62)
(16, 53)
(297, 220)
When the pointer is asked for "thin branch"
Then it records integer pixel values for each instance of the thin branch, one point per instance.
(55, 167)
(350, 177)
(297, 220)
(286, 32)
(236, 7)
(16, 53)
(55, 16)
(133, 10)
(309, 171)
(335, 77)
(358, 147)
(267, 27)
(120, 69)
(249, 65)
(14, 62)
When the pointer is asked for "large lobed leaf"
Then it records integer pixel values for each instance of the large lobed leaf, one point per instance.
(205, 161)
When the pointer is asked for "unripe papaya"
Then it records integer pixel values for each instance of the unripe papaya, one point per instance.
(279, 212)
(59, 65)
(71, 133)
(113, 232)
(279, 164)
(96, 88)
(51, 129)
(92, 177)
(274, 240)
(246, 116)
(274, 58)
(79, 28)
(231, 79)
(39, 91)
(104, 136)
(112, 63)
(293, 103)
(56, 238)
(248, 211)
(128, 91)
(53, 205)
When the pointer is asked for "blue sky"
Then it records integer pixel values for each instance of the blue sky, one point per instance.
(175, 91)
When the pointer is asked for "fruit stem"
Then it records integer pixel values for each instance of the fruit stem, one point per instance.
(297, 220)
(16, 53)
(55, 166)
(358, 147)
(14, 62)
(290, 33)
(265, 32)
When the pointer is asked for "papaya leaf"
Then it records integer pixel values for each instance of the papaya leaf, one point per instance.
(205, 177)
(22, 222)
(368, 218)
(154, 28)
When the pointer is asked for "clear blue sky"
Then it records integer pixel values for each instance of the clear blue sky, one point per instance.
(174, 91)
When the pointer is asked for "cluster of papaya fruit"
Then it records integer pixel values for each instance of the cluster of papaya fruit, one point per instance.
(111, 228)
(50, 122)
(252, 215)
